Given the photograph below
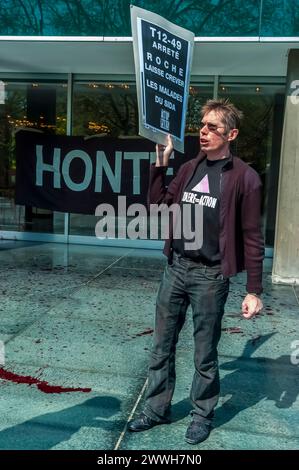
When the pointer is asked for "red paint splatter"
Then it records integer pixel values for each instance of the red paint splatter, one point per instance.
(41, 384)
(232, 329)
(148, 331)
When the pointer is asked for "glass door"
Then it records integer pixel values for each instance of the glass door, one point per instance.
(259, 141)
(38, 105)
(110, 109)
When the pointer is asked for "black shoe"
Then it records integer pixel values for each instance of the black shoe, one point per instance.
(142, 423)
(197, 431)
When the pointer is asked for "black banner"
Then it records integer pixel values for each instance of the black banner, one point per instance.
(75, 174)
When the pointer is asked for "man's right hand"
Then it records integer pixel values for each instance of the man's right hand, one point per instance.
(251, 306)
(163, 152)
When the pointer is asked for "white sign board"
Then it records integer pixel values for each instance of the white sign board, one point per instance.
(163, 54)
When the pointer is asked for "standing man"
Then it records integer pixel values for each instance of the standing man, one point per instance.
(229, 192)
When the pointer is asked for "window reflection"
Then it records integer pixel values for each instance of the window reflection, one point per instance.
(105, 109)
(110, 109)
(260, 138)
(32, 105)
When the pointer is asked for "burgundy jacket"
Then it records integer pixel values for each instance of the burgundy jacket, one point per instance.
(240, 240)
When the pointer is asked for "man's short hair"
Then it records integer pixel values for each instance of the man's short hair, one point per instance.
(230, 115)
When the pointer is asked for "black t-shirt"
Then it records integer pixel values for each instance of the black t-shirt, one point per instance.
(203, 191)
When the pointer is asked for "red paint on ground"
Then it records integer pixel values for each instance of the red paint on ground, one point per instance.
(232, 329)
(146, 332)
(41, 384)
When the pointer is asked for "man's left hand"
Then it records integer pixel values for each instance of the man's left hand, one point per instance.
(251, 306)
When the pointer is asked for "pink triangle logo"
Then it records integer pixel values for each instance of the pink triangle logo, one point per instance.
(202, 186)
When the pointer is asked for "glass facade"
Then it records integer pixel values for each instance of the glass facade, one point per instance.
(279, 18)
(109, 108)
(39, 105)
(103, 109)
(106, 106)
(260, 138)
(112, 17)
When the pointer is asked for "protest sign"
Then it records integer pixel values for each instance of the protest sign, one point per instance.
(163, 53)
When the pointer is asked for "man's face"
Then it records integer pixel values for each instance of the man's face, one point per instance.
(213, 135)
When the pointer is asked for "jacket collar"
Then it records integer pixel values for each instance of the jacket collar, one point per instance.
(202, 156)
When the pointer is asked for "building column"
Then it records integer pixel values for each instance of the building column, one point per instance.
(286, 247)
